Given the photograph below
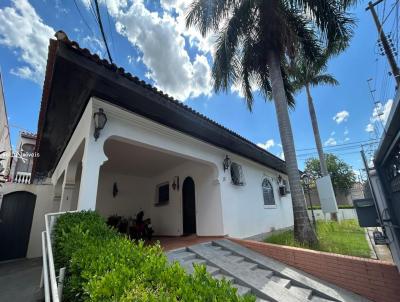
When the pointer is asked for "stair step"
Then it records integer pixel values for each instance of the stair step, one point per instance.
(247, 265)
(281, 281)
(320, 299)
(241, 290)
(260, 273)
(234, 258)
(301, 292)
(212, 270)
(222, 276)
(181, 256)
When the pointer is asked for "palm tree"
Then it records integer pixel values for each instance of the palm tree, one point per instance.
(307, 74)
(256, 40)
(310, 74)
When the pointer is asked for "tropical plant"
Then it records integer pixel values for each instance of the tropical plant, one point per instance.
(103, 265)
(256, 41)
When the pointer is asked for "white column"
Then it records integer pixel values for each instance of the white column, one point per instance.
(93, 158)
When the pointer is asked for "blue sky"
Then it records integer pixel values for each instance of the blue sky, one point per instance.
(148, 39)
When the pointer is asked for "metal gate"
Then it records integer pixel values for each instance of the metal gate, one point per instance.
(16, 215)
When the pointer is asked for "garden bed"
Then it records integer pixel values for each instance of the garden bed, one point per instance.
(103, 265)
(345, 238)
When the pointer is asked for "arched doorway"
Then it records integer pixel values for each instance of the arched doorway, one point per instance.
(189, 206)
(16, 216)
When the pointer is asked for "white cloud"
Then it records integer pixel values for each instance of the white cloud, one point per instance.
(160, 38)
(267, 145)
(282, 155)
(330, 142)
(94, 44)
(380, 114)
(341, 116)
(333, 133)
(346, 139)
(369, 128)
(23, 31)
(346, 131)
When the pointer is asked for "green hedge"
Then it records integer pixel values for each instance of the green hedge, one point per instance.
(103, 265)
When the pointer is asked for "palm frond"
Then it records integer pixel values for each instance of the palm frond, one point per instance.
(207, 15)
(326, 79)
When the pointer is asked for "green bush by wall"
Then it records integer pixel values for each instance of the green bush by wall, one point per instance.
(103, 265)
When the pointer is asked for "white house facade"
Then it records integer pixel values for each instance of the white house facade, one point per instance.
(138, 156)
(151, 153)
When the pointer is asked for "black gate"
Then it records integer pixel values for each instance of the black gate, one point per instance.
(16, 215)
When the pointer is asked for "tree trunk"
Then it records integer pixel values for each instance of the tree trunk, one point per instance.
(303, 231)
(317, 137)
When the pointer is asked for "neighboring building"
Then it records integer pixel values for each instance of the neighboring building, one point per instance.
(154, 154)
(22, 204)
(5, 142)
(342, 197)
(22, 160)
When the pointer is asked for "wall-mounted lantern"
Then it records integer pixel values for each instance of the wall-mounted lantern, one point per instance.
(100, 120)
(175, 183)
(226, 163)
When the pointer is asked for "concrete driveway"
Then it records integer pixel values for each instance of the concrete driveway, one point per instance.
(20, 279)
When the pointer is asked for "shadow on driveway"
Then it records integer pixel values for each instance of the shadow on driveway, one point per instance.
(20, 280)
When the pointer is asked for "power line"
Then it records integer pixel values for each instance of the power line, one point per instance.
(337, 145)
(102, 30)
(83, 19)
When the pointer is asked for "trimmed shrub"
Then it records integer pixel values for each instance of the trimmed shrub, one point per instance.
(103, 265)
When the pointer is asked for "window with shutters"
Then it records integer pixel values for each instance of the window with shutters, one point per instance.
(237, 175)
(268, 193)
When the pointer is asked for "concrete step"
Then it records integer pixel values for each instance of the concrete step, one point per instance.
(262, 273)
(181, 256)
(223, 276)
(320, 299)
(303, 293)
(242, 290)
(234, 258)
(250, 272)
(281, 281)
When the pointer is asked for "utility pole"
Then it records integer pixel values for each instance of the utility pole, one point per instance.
(385, 43)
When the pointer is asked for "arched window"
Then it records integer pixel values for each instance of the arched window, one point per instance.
(268, 193)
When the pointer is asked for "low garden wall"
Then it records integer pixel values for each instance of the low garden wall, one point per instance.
(343, 214)
(376, 280)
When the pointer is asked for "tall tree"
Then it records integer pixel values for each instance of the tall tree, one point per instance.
(307, 74)
(256, 39)
(343, 177)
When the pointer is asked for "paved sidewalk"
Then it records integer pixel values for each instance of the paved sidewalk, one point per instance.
(20, 279)
(382, 252)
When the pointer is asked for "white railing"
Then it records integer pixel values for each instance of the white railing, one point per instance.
(52, 283)
(22, 178)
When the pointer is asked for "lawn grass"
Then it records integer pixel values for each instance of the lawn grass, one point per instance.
(346, 238)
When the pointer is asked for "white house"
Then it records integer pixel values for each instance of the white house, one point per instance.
(187, 173)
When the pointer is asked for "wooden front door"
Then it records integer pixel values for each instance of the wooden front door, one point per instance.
(189, 206)
(16, 215)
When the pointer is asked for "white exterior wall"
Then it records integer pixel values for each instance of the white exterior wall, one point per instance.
(43, 205)
(134, 195)
(222, 208)
(244, 212)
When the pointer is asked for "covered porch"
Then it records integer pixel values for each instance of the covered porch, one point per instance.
(177, 192)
